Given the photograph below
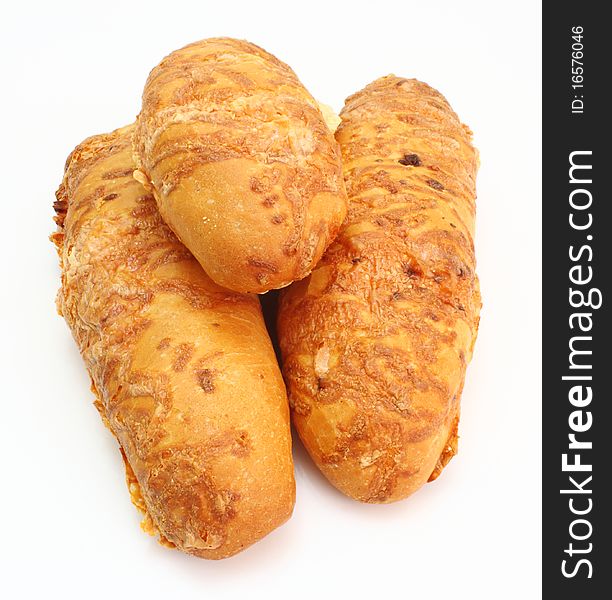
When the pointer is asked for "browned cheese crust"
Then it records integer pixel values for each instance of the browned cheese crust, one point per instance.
(184, 372)
(376, 341)
(242, 165)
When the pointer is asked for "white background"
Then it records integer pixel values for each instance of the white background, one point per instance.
(70, 70)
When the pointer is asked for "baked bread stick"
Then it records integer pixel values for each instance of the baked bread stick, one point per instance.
(241, 162)
(375, 342)
(183, 370)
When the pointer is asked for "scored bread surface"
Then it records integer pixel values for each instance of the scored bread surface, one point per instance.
(184, 371)
(376, 341)
(241, 162)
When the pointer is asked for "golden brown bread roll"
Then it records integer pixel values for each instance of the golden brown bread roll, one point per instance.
(376, 341)
(241, 163)
(184, 371)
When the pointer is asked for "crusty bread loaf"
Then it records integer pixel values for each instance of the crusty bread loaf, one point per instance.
(241, 163)
(376, 341)
(184, 371)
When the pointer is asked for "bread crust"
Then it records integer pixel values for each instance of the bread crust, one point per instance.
(242, 164)
(184, 371)
(375, 342)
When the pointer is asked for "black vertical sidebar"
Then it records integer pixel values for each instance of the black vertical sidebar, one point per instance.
(577, 268)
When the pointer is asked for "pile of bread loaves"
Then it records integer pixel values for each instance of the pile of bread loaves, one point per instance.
(232, 182)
